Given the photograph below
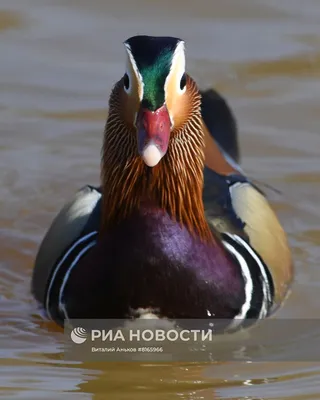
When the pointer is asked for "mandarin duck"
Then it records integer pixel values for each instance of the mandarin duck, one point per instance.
(175, 226)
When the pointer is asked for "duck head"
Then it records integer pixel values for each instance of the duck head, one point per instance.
(156, 72)
(156, 93)
(154, 142)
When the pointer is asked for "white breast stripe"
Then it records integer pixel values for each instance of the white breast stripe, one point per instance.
(265, 282)
(248, 285)
(62, 306)
(82, 239)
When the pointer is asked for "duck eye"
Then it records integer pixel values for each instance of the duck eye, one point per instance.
(126, 82)
(183, 81)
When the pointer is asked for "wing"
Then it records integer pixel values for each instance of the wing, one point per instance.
(221, 123)
(78, 217)
(233, 204)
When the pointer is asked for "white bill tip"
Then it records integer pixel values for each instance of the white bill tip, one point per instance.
(151, 155)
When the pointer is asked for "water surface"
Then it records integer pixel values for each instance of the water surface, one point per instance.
(59, 60)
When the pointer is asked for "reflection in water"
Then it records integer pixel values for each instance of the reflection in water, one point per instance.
(61, 60)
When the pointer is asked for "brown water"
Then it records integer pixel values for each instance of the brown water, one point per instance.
(59, 59)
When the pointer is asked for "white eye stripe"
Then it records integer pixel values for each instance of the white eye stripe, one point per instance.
(132, 65)
(178, 67)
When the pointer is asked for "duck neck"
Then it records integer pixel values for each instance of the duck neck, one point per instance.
(174, 185)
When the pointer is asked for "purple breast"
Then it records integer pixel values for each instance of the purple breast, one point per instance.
(149, 260)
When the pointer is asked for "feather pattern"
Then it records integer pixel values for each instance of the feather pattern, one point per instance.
(176, 185)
